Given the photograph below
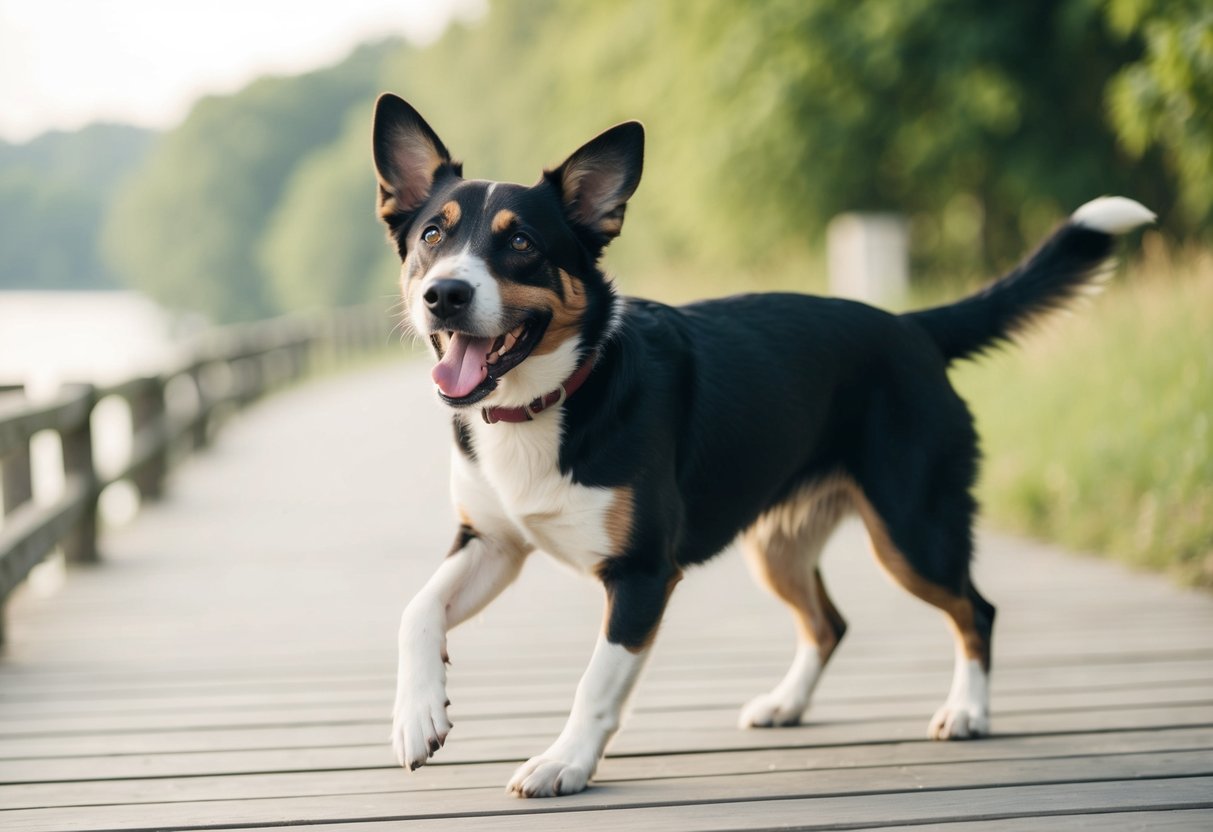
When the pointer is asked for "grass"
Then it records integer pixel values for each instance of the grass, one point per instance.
(1096, 430)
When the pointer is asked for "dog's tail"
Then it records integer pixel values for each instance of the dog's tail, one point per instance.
(1069, 264)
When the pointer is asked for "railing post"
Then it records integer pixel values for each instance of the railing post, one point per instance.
(198, 430)
(80, 544)
(18, 480)
(148, 418)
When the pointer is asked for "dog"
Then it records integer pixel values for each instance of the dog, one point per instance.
(631, 439)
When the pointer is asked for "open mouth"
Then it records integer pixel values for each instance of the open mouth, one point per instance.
(471, 364)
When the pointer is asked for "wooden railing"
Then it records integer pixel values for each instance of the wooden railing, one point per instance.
(225, 369)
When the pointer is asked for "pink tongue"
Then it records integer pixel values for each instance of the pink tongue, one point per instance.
(463, 366)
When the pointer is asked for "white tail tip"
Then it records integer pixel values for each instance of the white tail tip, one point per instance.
(1112, 215)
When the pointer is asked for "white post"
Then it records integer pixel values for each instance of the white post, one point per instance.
(869, 257)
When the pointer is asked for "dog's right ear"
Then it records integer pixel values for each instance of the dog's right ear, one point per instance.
(409, 159)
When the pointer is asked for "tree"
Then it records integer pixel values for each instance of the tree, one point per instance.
(54, 192)
(187, 227)
(1164, 101)
(983, 122)
(322, 246)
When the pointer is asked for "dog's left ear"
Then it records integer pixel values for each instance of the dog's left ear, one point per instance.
(596, 182)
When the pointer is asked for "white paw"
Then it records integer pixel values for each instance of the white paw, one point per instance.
(548, 777)
(771, 710)
(419, 726)
(959, 721)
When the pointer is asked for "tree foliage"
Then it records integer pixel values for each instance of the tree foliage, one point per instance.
(54, 192)
(322, 246)
(985, 123)
(1165, 100)
(187, 227)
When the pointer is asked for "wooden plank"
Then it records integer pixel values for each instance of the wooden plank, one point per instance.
(487, 775)
(27, 688)
(690, 711)
(1032, 807)
(699, 709)
(1173, 820)
(517, 741)
(530, 684)
(21, 418)
(33, 530)
(134, 699)
(889, 788)
(321, 733)
(1113, 820)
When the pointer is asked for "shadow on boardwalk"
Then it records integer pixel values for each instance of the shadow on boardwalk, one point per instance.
(230, 663)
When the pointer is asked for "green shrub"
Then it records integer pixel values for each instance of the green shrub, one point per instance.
(1096, 430)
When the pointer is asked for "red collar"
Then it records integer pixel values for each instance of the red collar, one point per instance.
(528, 412)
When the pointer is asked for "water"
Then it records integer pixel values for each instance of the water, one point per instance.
(52, 338)
(48, 339)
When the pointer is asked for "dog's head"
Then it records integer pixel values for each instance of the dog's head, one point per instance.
(501, 279)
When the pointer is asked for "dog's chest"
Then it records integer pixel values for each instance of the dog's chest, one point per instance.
(520, 463)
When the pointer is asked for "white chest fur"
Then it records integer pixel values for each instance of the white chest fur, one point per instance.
(519, 464)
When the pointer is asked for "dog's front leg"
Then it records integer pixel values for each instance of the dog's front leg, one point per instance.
(471, 576)
(635, 603)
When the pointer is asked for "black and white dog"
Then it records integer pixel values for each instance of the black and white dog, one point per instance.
(631, 439)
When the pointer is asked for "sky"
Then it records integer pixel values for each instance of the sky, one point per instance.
(66, 63)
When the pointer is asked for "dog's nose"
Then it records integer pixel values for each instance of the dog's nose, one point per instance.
(448, 297)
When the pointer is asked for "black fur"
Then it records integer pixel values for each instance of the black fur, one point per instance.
(1048, 279)
(714, 413)
(465, 535)
(463, 438)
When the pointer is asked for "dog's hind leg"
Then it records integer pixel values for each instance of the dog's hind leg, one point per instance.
(783, 548)
(938, 573)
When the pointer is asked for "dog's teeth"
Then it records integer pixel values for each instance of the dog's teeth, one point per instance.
(492, 359)
(497, 344)
(510, 340)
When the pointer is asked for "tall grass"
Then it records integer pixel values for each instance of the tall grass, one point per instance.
(1096, 429)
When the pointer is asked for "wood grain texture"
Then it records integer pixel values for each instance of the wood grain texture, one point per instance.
(231, 665)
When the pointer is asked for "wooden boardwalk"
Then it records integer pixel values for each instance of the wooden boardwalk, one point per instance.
(229, 665)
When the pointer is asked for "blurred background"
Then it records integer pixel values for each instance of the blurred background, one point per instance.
(165, 169)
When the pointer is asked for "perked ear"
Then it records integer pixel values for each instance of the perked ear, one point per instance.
(596, 182)
(409, 158)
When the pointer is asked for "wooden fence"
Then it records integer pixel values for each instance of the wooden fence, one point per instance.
(225, 370)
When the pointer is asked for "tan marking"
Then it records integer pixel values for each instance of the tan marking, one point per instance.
(567, 312)
(831, 611)
(387, 201)
(502, 221)
(782, 547)
(463, 516)
(960, 613)
(450, 213)
(567, 315)
(618, 519)
(612, 224)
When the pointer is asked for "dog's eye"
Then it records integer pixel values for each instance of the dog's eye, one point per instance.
(521, 242)
(432, 235)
